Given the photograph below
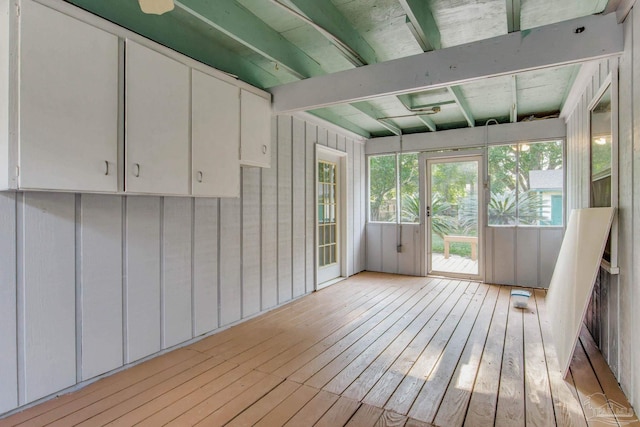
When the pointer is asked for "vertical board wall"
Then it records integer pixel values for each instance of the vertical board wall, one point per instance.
(613, 315)
(90, 283)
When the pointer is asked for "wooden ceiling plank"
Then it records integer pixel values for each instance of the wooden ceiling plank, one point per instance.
(235, 21)
(423, 25)
(543, 47)
(338, 29)
(457, 95)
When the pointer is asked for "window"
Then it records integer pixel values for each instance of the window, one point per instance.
(390, 176)
(526, 182)
(601, 159)
(382, 188)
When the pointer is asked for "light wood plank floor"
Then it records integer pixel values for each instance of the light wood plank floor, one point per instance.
(372, 350)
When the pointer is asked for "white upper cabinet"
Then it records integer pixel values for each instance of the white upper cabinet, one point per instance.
(68, 114)
(215, 137)
(157, 123)
(255, 130)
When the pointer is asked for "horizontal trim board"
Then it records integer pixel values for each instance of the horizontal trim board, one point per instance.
(506, 133)
(538, 48)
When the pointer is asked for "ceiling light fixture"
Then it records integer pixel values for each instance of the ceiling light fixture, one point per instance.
(156, 7)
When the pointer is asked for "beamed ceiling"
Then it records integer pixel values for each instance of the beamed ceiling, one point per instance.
(285, 46)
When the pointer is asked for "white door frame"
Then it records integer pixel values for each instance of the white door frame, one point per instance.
(342, 233)
(478, 155)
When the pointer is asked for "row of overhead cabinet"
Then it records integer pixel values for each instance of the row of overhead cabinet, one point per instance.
(91, 110)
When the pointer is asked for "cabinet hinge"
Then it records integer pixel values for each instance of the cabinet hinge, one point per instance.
(17, 10)
(17, 170)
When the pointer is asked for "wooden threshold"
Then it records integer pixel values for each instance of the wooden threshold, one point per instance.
(375, 349)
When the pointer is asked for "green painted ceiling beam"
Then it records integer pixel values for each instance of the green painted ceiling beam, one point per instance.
(462, 103)
(236, 22)
(369, 111)
(191, 40)
(513, 15)
(428, 122)
(324, 14)
(406, 101)
(338, 120)
(424, 25)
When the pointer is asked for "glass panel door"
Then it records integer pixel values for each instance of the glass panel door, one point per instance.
(328, 227)
(453, 216)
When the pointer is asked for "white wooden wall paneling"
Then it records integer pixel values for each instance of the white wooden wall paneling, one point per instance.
(176, 271)
(504, 255)
(605, 299)
(635, 283)
(374, 247)
(142, 295)
(100, 281)
(323, 137)
(48, 295)
(8, 325)
(363, 205)
(550, 241)
(389, 254)
(5, 31)
(527, 256)
(205, 266)
(270, 225)
(299, 207)
(230, 259)
(250, 241)
(342, 143)
(356, 202)
(408, 261)
(311, 136)
(350, 204)
(488, 254)
(332, 140)
(285, 288)
(625, 209)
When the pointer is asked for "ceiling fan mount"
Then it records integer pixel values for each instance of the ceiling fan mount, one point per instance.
(156, 7)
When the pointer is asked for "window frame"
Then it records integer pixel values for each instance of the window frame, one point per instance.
(518, 145)
(610, 82)
(398, 185)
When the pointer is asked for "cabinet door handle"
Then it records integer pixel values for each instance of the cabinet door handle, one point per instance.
(106, 167)
(136, 172)
(199, 176)
(264, 149)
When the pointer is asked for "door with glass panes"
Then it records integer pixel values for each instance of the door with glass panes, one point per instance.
(328, 226)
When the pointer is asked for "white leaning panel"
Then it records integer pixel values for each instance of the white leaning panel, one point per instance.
(574, 276)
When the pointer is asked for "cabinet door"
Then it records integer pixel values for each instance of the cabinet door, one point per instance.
(255, 130)
(157, 123)
(68, 103)
(215, 137)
